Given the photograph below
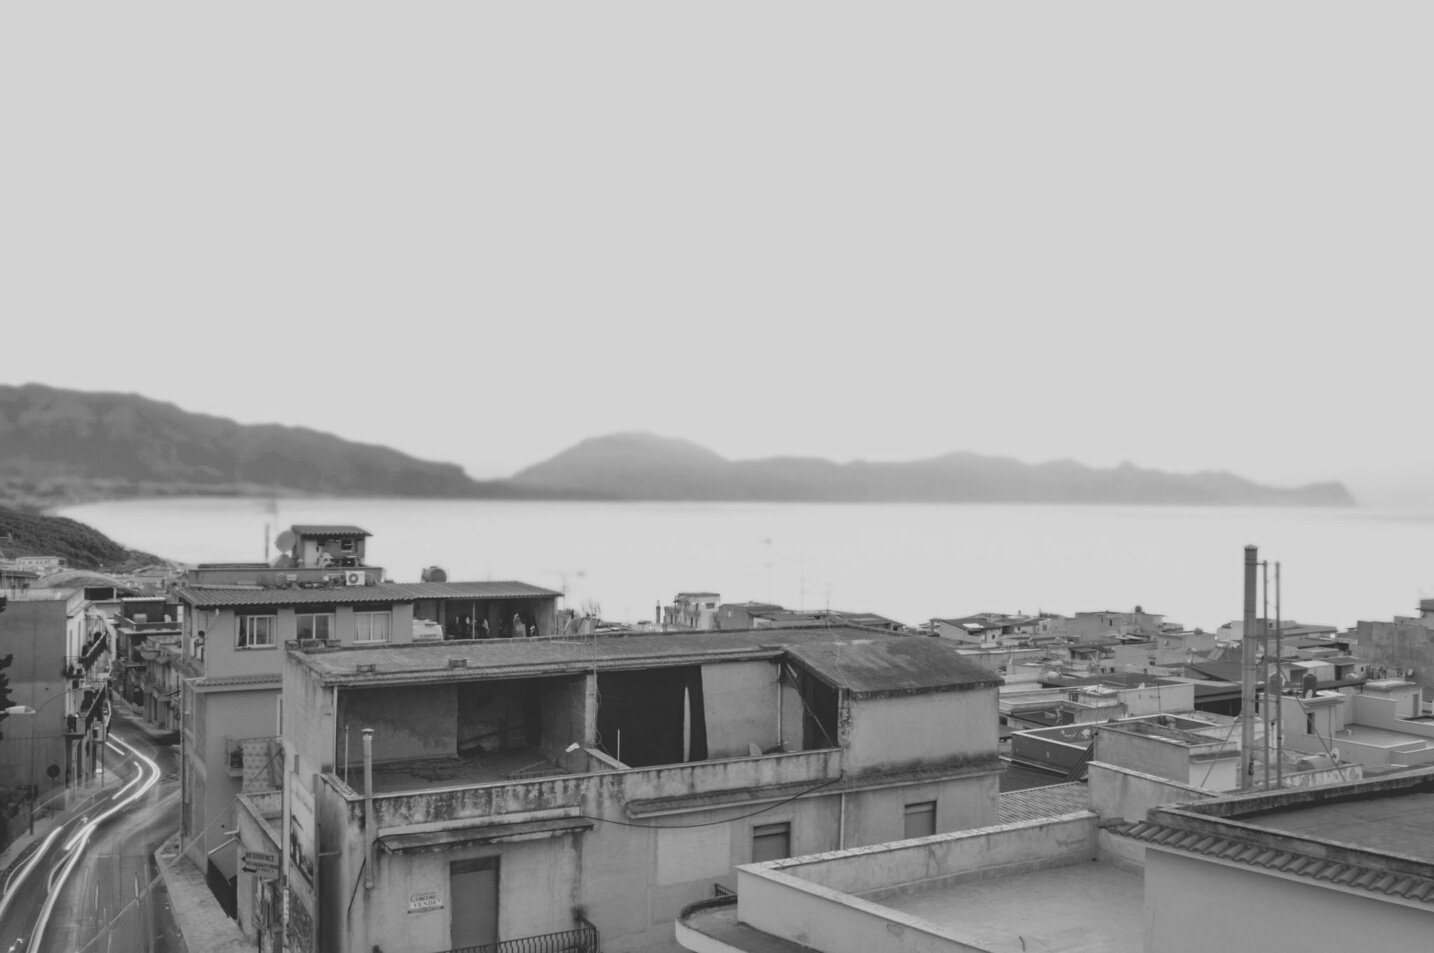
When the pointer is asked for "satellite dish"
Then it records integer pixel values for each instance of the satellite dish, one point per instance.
(434, 574)
(285, 540)
(281, 561)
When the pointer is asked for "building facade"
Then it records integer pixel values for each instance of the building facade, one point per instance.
(514, 790)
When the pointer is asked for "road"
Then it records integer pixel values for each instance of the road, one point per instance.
(91, 885)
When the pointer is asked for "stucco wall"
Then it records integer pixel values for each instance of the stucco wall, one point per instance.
(740, 700)
(1262, 911)
(904, 730)
(229, 714)
(34, 633)
(408, 721)
(1117, 792)
(832, 902)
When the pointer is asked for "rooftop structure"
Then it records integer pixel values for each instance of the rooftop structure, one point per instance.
(623, 774)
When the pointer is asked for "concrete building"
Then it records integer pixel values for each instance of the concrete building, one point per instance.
(236, 618)
(35, 630)
(1380, 725)
(990, 629)
(692, 610)
(1347, 866)
(1106, 623)
(585, 787)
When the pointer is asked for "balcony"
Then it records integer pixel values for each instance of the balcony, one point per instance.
(634, 790)
(581, 939)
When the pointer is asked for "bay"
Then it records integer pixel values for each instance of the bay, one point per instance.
(910, 562)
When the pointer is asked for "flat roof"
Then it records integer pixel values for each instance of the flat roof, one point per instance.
(1078, 906)
(868, 662)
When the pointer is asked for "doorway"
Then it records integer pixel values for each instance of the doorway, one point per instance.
(473, 898)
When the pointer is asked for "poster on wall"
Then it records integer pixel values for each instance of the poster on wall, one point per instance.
(301, 834)
(302, 848)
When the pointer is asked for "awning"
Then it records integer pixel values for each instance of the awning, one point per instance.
(486, 834)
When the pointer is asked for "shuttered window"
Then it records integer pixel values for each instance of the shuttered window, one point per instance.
(771, 842)
(920, 819)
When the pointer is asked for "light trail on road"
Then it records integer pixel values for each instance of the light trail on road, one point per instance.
(76, 844)
(147, 775)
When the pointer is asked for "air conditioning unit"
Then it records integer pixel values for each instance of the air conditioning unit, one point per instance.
(355, 578)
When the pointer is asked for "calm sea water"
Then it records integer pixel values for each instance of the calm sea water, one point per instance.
(909, 562)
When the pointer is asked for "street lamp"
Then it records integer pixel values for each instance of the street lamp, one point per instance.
(27, 710)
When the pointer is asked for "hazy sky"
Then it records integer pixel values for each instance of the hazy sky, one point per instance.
(1190, 236)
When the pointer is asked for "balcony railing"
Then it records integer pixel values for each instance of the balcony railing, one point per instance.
(581, 939)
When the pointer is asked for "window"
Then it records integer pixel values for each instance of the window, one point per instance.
(371, 626)
(315, 625)
(256, 632)
(771, 841)
(920, 819)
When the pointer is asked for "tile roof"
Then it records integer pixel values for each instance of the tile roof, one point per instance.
(1287, 861)
(330, 530)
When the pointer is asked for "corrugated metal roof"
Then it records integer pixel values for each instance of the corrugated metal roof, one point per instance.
(893, 665)
(508, 589)
(330, 530)
(1228, 848)
(342, 595)
(1049, 800)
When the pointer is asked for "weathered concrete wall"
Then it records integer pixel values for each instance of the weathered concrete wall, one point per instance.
(1058, 747)
(740, 699)
(408, 721)
(884, 869)
(829, 902)
(234, 714)
(1121, 793)
(1147, 755)
(1401, 645)
(878, 815)
(903, 730)
(34, 632)
(308, 719)
(605, 792)
(1259, 911)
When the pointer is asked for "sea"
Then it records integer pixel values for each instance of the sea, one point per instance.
(909, 562)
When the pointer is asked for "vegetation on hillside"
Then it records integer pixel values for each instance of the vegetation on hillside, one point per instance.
(30, 534)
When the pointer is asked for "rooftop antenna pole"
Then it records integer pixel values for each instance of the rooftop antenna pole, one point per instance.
(1265, 670)
(1279, 722)
(1247, 673)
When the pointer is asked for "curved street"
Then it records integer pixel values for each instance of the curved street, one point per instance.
(91, 884)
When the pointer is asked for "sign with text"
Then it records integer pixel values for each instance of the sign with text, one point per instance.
(425, 900)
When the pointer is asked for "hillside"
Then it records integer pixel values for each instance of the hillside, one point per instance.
(26, 534)
(646, 467)
(60, 446)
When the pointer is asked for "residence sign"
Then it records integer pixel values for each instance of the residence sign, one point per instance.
(425, 900)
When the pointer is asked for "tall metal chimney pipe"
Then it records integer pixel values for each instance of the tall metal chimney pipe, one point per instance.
(1247, 673)
(368, 820)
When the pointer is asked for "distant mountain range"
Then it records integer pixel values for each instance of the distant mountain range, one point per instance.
(61, 446)
(637, 466)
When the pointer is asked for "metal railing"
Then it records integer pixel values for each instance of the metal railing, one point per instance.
(581, 939)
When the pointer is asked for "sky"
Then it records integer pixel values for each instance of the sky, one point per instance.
(1191, 237)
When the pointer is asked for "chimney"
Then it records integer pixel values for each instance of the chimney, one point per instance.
(1247, 674)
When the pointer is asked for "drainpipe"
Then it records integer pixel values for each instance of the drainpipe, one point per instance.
(368, 819)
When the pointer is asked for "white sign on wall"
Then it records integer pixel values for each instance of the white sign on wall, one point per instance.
(425, 900)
